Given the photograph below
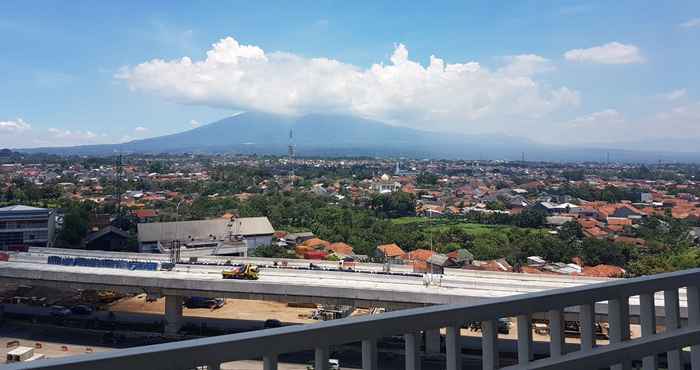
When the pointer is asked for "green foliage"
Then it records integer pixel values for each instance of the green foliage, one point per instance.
(426, 179)
(75, 225)
(395, 204)
(272, 251)
(571, 231)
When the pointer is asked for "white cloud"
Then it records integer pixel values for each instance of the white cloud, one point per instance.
(611, 53)
(244, 77)
(194, 123)
(140, 129)
(72, 135)
(692, 23)
(675, 95)
(602, 118)
(687, 114)
(13, 126)
(526, 65)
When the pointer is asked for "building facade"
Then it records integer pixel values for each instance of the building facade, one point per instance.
(26, 226)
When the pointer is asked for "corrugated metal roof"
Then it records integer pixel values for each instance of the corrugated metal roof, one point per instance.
(204, 229)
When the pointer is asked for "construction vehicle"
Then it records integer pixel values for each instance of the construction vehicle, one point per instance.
(242, 272)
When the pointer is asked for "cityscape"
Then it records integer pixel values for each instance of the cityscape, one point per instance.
(299, 205)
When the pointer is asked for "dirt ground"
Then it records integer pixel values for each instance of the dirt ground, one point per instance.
(233, 309)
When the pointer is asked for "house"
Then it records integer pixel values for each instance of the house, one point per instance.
(298, 238)
(554, 208)
(316, 243)
(390, 252)
(340, 248)
(436, 263)
(109, 238)
(461, 257)
(499, 265)
(418, 255)
(145, 215)
(25, 225)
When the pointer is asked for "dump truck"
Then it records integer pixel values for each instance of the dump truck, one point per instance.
(242, 272)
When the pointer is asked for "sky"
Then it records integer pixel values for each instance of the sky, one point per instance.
(563, 72)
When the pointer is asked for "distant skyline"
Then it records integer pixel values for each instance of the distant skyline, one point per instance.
(577, 72)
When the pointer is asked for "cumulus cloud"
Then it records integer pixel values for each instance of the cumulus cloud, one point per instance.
(245, 77)
(140, 129)
(611, 53)
(16, 125)
(675, 95)
(692, 23)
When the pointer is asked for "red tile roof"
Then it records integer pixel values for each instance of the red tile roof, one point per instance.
(391, 250)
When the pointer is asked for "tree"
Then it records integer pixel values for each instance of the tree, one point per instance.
(531, 217)
(571, 231)
(75, 226)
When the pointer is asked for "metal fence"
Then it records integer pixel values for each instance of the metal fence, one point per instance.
(618, 354)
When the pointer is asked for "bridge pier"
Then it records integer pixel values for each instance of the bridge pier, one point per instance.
(173, 314)
(432, 341)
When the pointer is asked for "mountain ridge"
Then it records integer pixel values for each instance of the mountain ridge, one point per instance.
(339, 135)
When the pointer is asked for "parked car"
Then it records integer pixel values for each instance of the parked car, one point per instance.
(60, 311)
(81, 309)
(272, 323)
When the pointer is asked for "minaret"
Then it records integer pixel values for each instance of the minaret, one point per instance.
(398, 170)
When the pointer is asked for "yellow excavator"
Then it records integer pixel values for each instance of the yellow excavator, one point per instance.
(243, 272)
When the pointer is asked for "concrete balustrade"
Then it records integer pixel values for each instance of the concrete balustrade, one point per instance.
(620, 353)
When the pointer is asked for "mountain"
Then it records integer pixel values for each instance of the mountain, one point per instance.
(337, 135)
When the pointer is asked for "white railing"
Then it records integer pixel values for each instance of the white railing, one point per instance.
(618, 354)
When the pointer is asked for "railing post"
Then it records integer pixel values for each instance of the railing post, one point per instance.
(672, 322)
(453, 345)
(556, 333)
(647, 316)
(412, 348)
(489, 347)
(693, 299)
(270, 362)
(618, 319)
(588, 327)
(321, 358)
(369, 354)
(524, 338)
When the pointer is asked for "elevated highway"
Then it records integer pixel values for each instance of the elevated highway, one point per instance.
(365, 287)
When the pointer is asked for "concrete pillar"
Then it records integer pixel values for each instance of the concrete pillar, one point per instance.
(173, 314)
(432, 341)
(413, 361)
(270, 362)
(321, 358)
(453, 348)
(369, 354)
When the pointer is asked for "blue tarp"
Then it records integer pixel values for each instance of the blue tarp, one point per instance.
(102, 262)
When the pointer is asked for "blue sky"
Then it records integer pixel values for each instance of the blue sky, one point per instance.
(83, 72)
